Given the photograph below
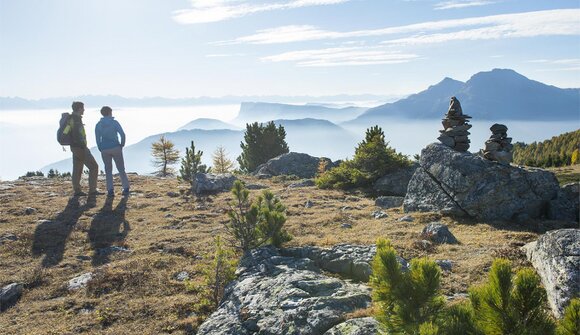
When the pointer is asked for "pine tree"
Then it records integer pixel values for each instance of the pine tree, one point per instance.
(164, 155)
(262, 142)
(221, 162)
(570, 323)
(191, 165)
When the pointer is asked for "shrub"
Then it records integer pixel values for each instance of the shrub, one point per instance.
(508, 305)
(191, 165)
(34, 174)
(253, 224)
(570, 323)
(409, 301)
(373, 159)
(262, 142)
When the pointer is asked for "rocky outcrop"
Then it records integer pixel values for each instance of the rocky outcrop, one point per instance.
(360, 326)
(567, 205)
(395, 183)
(460, 183)
(556, 258)
(277, 294)
(439, 233)
(292, 163)
(208, 183)
(389, 202)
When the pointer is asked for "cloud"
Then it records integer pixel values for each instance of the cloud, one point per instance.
(568, 64)
(529, 24)
(341, 57)
(461, 4)
(205, 11)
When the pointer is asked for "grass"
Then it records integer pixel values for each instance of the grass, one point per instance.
(567, 174)
(137, 291)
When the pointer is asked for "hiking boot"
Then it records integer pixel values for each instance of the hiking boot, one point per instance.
(80, 194)
(125, 192)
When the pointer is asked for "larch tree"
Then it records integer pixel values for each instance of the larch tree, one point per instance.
(164, 156)
(221, 162)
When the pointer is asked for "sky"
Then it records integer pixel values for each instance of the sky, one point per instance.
(180, 48)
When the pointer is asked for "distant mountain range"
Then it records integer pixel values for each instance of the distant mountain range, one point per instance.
(115, 101)
(208, 124)
(263, 111)
(499, 94)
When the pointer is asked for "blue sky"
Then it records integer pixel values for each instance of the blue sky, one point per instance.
(179, 48)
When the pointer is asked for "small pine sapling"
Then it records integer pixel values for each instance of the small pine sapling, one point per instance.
(570, 323)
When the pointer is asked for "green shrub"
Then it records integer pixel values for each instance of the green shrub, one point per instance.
(409, 301)
(191, 165)
(570, 323)
(373, 159)
(262, 143)
(253, 224)
(508, 305)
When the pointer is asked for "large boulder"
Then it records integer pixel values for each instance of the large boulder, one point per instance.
(461, 183)
(395, 183)
(277, 294)
(556, 258)
(359, 326)
(208, 183)
(567, 205)
(292, 163)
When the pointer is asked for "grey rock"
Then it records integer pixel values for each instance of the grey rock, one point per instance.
(379, 215)
(29, 210)
(359, 326)
(395, 183)
(308, 204)
(445, 264)
(406, 218)
(292, 163)
(9, 294)
(556, 258)
(172, 194)
(209, 183)
(567, 205)
(389, 201)
(459, 183)
(346, 226)
(80, 281)
(437, 232)
(182, 276)
(111, 250)
(256, 186)
(303, 183)
(8, 237)
(277, 294)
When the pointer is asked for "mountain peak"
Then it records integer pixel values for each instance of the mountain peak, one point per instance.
(498, 74)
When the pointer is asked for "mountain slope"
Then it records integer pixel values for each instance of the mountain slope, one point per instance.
(263, 111)
(208, 124)
(500, 94)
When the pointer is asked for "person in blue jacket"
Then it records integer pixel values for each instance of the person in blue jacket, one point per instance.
(107, 131)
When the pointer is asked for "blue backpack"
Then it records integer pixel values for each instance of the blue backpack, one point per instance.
(64, 133)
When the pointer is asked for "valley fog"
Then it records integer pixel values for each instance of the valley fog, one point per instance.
(28, 140)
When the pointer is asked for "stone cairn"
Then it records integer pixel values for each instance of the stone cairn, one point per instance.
(455, 127)
(499, 147)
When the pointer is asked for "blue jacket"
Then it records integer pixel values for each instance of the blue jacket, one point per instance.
(106, 131)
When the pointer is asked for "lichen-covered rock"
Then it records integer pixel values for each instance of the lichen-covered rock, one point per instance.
(80, 281)
(213, 183)
(556, 258)
(389, 201)
(276, 294)
(395, 183)
(292, 163)
(567, 205)
(437, 232)
(359, 326)
(465, 184)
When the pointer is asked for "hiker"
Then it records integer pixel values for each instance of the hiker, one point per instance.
(107, 131)
(81, 154)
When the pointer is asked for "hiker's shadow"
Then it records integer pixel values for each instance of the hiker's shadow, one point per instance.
(50, 236)
(108, 228)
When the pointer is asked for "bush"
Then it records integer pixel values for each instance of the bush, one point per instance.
(373, 159)
(262, 143)
(570, 323)
(508, 305)
(253, 224)
(408, 300)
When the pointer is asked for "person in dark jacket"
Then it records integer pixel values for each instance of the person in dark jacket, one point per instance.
(107, 132)
(81, 154)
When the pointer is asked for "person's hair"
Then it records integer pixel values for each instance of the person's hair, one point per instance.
(106, 111)
(76, 105)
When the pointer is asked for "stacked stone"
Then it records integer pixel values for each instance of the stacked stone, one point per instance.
(499, 147)
(455, 127)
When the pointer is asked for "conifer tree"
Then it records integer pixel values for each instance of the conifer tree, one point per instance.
(570, 323)
(164, 156)
(191, 165)
(261, 143)
(221, 162)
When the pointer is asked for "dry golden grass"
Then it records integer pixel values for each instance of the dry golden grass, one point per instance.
(136, 291)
